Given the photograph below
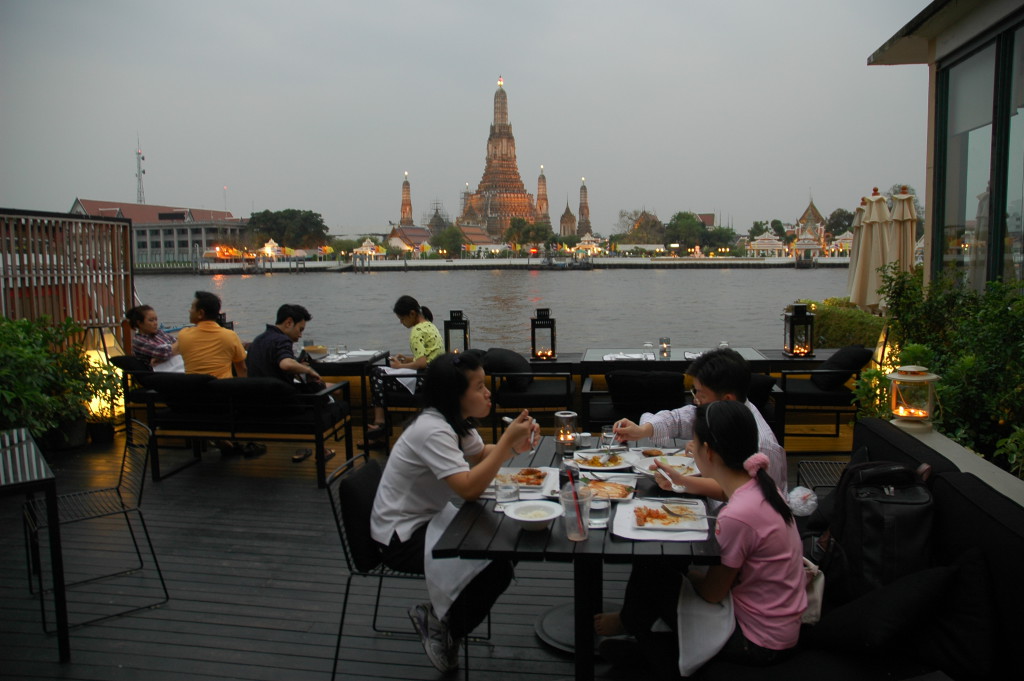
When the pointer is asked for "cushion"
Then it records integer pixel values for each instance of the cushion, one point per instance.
(255, 390)
(181, 392)
(131, 364)
(356, 492)
(502, 361)
(880, 620)
(636, 392)
(850, 359)
(759, 390)
(962, 641)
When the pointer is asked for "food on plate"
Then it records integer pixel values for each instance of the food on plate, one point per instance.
(527, 477)
(652, 452)
(648, 515)
(600, 461)
(613, 490)
(533, 513)
(683, 511)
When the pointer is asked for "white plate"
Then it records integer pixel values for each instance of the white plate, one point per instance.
(505, 474)
(682, 464)
(676, 523)
(628, 480)
(627, 460)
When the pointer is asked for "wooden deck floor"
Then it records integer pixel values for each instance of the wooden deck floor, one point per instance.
(256, 576)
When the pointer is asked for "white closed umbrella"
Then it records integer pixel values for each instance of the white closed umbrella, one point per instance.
(902, 230)
(872, 253)
(855, 227)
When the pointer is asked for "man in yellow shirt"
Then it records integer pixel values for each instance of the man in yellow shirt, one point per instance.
(207, 347)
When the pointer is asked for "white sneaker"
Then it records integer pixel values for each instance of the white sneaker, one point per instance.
(434, 636)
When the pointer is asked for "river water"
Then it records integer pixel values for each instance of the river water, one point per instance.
(595, 308)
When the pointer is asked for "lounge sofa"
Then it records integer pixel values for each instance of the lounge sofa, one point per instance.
(958, 619)
(200, 407)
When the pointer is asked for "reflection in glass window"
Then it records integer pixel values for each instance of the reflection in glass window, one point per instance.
(1012, 244)
(968, 165)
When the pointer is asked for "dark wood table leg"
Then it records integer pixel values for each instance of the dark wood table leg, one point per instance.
(57, 561)
(587, 586)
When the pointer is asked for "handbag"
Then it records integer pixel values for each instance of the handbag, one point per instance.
(815, 592)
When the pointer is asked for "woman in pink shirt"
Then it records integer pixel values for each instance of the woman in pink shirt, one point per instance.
(761, 557)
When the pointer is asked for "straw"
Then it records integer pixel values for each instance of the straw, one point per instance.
(575, 499)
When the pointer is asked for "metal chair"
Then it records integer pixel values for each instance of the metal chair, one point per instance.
(351, 489)
(123, 499)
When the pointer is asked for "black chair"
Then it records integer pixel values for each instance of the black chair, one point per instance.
(824, 390)
(124, 499)
(351, 489)
(515, 386)
(133, 391)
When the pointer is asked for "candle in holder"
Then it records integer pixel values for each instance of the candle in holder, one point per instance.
(665, 347)
(565, 432)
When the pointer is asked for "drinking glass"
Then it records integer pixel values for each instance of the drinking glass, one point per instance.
(340, 350)
(577, 511)
(607, 437)
(648, 350)
(506, 492)
(600, 510)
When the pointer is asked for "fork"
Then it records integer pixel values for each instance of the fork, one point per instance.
(665, 507)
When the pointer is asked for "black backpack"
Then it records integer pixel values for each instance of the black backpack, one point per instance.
(879, 530)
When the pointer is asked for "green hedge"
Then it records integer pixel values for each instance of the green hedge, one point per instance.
(837, 323)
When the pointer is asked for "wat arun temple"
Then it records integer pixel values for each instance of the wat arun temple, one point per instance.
(501, 194)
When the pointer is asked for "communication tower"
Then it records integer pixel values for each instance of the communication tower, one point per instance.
(140, 196)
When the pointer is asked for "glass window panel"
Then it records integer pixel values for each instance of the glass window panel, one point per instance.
(968, 167)
(1012, 244)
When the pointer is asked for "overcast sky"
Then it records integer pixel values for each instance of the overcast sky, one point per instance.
(745, 108)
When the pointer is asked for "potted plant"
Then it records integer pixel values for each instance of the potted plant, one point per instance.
(106, 389)
(47, 380)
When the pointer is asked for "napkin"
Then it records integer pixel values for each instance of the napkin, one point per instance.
(624, 526)
(623, 355)
(407, 377)
(363, 353)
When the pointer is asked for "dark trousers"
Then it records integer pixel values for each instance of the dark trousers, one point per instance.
(472, 605)
(381, 384)
(652, 593)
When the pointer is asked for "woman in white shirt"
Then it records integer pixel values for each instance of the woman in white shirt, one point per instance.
(438, 456)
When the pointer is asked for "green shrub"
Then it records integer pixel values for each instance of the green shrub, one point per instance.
(837, 324)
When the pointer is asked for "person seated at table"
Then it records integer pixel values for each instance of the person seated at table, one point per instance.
(271, 355)
(720, 374)
(440, 455)
(761, 563)
(425, 343)
(151, 344)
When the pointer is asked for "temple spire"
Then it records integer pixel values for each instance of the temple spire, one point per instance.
(584, 222)
(542, 199)
(406, 219)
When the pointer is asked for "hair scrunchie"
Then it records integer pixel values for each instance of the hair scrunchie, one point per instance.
(754, 463)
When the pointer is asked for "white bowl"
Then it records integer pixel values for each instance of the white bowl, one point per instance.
(534, 515)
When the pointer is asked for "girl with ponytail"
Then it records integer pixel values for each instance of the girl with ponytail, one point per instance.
(761, 556)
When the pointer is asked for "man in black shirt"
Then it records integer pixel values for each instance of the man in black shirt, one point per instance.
(270, 353)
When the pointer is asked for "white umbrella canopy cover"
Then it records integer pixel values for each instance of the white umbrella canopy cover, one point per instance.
(902, 229)
(873, 252)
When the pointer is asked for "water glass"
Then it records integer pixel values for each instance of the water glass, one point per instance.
(340, 350)
(648, 350)
(600, 510)
(577, 511)
(506, 492)
(607, 437)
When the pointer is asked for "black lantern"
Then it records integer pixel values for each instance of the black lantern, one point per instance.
(542, 344)
(456, 322)
(798, 331)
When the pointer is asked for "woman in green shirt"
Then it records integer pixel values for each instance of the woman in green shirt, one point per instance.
(425, 343)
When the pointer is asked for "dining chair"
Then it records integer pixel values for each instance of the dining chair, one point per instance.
(825, 389)
(124, 499)
(351, 488)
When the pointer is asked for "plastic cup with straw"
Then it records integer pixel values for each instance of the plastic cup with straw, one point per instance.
(576, 504)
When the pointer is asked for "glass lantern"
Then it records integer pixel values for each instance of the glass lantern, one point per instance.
(456, 323)
(912, 397)
(798, 331)
(565, 432)
(664, 347)
(542, 335)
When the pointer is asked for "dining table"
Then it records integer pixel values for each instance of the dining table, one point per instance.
(24, 470)
(477, 531)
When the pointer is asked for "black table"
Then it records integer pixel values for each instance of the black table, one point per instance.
(24, 470)
(478, 532)
(358, 365)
